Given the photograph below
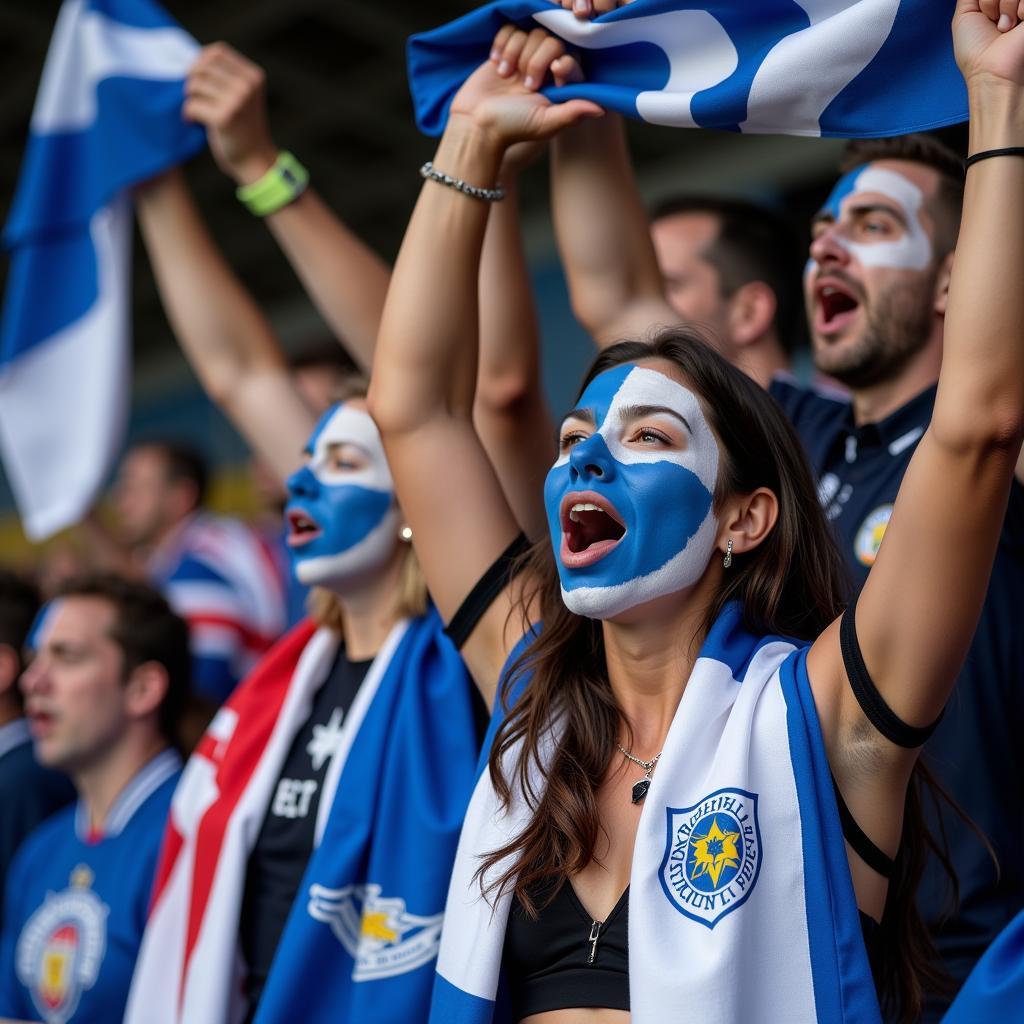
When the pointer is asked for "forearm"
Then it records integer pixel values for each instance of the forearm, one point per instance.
(344, 277)
(981, 387)
(221, 330)
(603, 234)
(510, 414)
(426, 361)
(219, 327)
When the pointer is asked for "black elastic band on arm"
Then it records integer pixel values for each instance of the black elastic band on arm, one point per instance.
(876, 859)
(487, 588)
(878, 713)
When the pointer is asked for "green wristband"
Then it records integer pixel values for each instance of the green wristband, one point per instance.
(281, 185)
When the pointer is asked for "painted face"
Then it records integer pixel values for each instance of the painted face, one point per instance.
(74, 691)
(629, 499)
(869, 284)
(341, 510)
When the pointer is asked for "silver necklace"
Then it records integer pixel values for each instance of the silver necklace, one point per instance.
(640, 788)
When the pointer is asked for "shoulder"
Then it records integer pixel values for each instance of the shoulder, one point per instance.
(806, 405)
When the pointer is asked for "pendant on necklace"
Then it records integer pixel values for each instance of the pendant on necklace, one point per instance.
(640, 790)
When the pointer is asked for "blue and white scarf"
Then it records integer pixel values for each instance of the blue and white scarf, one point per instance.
(741, 906)
(796, 67)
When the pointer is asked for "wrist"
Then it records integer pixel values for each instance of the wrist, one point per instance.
(254, 165)
(470, 151)
(996, 113)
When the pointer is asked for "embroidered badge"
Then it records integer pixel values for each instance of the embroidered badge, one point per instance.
(61, 948)
(869, 536)
(713, 855)
(377, 932)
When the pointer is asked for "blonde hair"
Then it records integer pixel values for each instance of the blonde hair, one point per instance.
(411, 596)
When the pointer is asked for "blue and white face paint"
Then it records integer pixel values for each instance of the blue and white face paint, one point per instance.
(913, 250)
(341, 510)
(630, 513)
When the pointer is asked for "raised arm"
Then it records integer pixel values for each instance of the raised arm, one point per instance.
(511, 414)
(424, 373)
(918, 611)
(615, 285)
(221, 330)
(345, 279)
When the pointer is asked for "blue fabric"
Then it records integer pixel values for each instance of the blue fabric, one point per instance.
(995, 989)
(394, 824)
(911, 84)
(73, 888)
(843, 987)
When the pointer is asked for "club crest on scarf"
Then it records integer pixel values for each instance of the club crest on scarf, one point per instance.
(342, 517)
(380, 935)
(712, 855)
(61, 948)
(629, 500)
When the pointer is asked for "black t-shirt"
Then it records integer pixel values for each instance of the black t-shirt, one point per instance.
(976, 751)
(285, 841)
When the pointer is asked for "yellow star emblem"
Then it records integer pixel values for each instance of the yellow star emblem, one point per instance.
(82, 876)
(375, 926)
(714, 851)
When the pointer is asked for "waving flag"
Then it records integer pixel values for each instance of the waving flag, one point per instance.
(107, 116)
(852, 68)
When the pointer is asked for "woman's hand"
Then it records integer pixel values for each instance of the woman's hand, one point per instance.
(586, 9)
(227, 93)
(501, 99)
(989, 42)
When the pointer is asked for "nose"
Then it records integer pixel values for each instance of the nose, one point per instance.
(303, 484)
(827, 248)
(34, 677)
(590, 459)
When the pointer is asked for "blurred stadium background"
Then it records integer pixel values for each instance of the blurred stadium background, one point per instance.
(339, 100)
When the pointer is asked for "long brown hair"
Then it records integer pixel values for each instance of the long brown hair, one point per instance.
(793, 584)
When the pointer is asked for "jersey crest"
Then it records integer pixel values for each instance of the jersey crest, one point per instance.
(712, 855)
(869, 536)
(380, 935)
(61, 948)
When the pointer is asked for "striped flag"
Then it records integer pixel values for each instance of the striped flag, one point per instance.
(852, 68)
(107, 116)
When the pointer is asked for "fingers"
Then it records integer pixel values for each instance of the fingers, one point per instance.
(533, 55)
(563, 115)
(565, 70)
(1007, 15)
(536, 61)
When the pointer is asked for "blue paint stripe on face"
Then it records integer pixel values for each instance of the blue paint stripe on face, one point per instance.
(320, 425)
(845, 186)
(601, 391)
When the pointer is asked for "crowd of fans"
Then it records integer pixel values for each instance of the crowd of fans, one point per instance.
(279, 659)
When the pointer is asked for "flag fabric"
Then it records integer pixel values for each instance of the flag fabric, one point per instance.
(850, 68)
(994, 990)
(363, 934)
(107, 116)
(741, 905)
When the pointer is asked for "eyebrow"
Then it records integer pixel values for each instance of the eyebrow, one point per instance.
(861, 208)
(637, 412)
(587, 415)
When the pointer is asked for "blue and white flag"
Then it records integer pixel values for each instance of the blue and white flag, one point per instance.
(852, 68)
(994, 990)
(107, 116)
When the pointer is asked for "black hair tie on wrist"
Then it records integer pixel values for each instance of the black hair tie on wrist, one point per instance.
(985, 154)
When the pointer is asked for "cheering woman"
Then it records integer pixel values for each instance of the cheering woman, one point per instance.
(699, 765)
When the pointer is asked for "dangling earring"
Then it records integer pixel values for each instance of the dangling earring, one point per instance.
(406, 534)
(727, 561)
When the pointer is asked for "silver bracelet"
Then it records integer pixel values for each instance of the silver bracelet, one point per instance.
(490, 195)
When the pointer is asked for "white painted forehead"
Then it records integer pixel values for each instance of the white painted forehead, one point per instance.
(348, 425)
(646, 387)
(890, 183)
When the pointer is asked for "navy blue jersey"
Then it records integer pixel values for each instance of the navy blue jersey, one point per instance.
(29, 794)
(76, 905)
(976, 751)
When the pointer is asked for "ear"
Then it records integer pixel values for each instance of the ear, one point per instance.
(747, 519)
(751, 312)
(145, 690)
(942, 284)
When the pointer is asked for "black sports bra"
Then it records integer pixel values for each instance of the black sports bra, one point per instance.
(564, 959)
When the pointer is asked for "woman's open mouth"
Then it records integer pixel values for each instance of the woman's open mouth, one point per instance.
(591, 528)
(302, 528)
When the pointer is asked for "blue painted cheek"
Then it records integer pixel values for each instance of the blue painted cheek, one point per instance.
(346, 515)
(662, 506)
